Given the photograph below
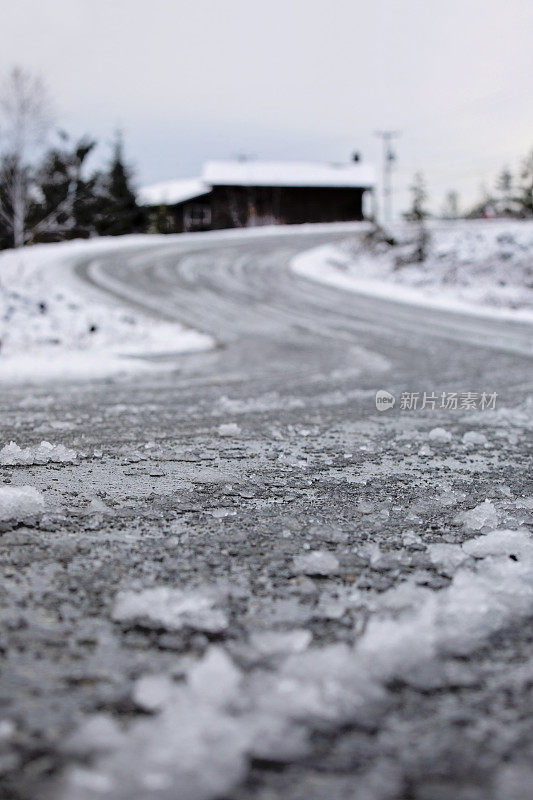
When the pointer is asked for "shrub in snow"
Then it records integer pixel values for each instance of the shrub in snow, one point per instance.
(20, 502)
(13, 455)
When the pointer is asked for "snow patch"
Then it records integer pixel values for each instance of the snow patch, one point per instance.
(477, 267)
(53, 325)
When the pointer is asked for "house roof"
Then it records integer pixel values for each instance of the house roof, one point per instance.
(259, 173)
(171, 192)
(288, 173)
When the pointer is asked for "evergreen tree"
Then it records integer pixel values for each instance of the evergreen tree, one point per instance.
(119, 212)
(65, 201)
(526, 187)
(504, 188)
(419, 195)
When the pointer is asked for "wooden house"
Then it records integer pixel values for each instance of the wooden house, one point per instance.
(245, 193)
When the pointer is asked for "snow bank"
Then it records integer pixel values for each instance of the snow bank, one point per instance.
(12, 454)
(20, 502)
(478, 266)
(54, 325)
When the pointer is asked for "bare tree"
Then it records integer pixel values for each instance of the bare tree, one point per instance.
(25, 117)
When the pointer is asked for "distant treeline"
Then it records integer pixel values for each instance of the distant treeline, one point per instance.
(511, 197)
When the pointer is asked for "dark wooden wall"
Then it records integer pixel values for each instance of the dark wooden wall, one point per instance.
(242, 206)
(236, 206)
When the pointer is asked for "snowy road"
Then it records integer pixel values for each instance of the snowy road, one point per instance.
(251, 584)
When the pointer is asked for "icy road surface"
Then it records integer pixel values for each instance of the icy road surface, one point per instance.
(236, 579)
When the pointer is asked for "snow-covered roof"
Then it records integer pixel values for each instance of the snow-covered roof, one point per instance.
(258, 173)
(171, 192)
(288, 173)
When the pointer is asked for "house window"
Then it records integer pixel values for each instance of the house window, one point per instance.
(196, 217)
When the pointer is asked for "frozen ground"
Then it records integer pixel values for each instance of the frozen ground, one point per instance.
(235, 578)
(480, 266)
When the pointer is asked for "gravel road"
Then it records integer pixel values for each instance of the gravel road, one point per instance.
(276, 514)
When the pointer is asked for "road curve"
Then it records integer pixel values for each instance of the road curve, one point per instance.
(236, 289)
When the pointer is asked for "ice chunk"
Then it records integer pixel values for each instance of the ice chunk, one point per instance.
(500, 543)
(410, 538)
(329, 607)
(392, 646)
(190, 750)
(320, 687)
(276, 739)
(451, 498)
(20, 502)
(173, 609)
(473, 438)
(425, 451)
(447, 557)
(7, 730)
(229, 429)
(318, 562)
(153, 692)
(215, 679)
(275, 643)
(439, 435)
(97, 734)
(481, 516)
(97, 506)
(12, 454)
(514, 781)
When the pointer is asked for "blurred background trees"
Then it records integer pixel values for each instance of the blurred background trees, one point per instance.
(48, 191)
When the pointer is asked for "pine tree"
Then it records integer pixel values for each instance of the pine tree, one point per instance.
(504, 190)
(526, 186)
(65, 201)
(419, 195)
(119, 212)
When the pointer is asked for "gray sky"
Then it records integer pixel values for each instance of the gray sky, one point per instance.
(189, 81)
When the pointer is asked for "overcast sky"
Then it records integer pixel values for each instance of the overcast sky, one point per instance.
(189, 81)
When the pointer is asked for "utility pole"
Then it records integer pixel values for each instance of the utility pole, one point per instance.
(389, 156)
